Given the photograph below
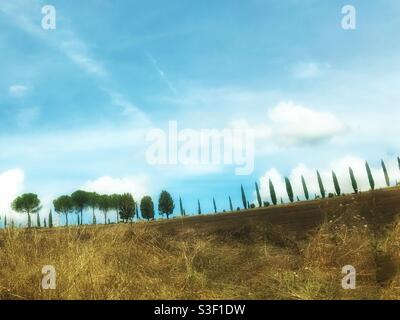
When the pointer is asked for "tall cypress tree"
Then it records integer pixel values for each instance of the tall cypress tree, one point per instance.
(258, 196)
(181, 206)
(215, 205)
(45, 223)
(198, 207)
(336, 183)
(289, 189)
(243, 197)
(353, 180)
(5, 221)
(137, 211)
(321, 185)
(385, 173)
(50, 220)
(398, 162)
(230, 203)
(303, 182)
(370, 177)
(272, 192)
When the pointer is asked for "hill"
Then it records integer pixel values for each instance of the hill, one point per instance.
(293, 251)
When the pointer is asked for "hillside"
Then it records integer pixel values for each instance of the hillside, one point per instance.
(293, 251)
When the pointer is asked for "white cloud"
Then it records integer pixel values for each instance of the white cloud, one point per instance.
(138, 186)
(341, 168)
(294, 124)
(11, 184)
(309, 70)
(17, 90)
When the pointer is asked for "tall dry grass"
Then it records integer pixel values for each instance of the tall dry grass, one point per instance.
(140, 262)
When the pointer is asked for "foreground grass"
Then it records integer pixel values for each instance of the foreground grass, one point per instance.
(141, 261)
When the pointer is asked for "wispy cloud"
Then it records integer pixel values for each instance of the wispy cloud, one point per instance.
(18, 90)
(67, 42)
(162, 74)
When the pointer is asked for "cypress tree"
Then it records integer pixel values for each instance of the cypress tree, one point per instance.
(321, 185)
(230, 203)
(303, 182)
(243, 197)
(215, 206)
(353, 180)
(336, 183)
(50, 220)
(282, 201)
(289, 189)
(272, 192)
(45, 223)
(258, 196)
(398, 162)
(385, 173)
(181, 206)
(198, 207)
(370, 177)
(137, 211)
(5, 221)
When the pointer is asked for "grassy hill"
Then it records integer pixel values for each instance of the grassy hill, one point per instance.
(293, 251)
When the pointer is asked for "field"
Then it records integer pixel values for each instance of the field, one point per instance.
(292, 251)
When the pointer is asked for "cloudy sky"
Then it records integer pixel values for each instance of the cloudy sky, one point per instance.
(77, 102)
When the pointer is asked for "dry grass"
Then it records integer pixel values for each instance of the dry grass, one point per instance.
(141, 261)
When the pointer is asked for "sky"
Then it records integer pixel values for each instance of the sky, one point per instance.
(77, 102)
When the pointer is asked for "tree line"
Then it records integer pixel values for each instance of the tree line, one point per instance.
(125, 208)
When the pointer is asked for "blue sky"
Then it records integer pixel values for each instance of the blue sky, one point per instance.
(76, 102)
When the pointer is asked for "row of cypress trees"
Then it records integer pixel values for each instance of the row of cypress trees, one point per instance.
(290, 193)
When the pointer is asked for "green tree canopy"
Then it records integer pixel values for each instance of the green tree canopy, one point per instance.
(80, 199)
(385, 173)
(370, 177)
(244, 200)
(289, 189)
(272, 192)
(321, 185)
(147, 208)
(305, 189)
(336, 183)
(27, 203)
(258, 196)
(353, 180)
(166, 204)
(64, 205)
(126, 206)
